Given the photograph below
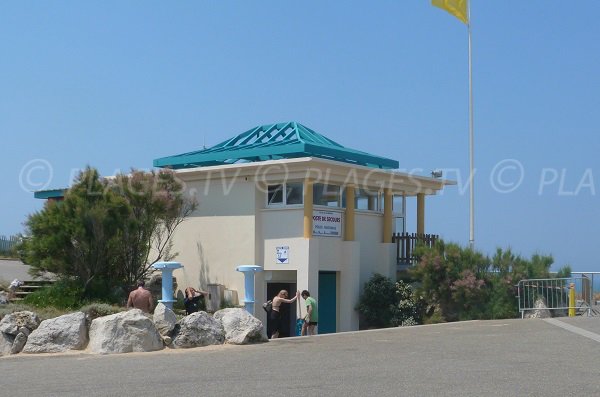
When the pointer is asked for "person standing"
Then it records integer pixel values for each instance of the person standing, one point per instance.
(140, 298)
(194, 300)
(281, 297)
(312, 314)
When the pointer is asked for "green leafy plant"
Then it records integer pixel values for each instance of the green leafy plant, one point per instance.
(64, 294)
(107, 231)
(384, 303)
(461, 284)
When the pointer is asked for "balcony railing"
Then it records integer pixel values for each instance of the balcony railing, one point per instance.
(406, 244)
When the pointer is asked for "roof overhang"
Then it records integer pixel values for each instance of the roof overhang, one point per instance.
(319, 171)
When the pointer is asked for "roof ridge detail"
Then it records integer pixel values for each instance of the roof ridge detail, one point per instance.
(274, 141)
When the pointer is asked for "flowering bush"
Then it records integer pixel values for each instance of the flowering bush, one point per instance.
(461, 284)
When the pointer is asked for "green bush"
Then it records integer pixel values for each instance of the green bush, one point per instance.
(64, 294)
(377, 302)
(462, 284)
(384, 303)
(408, 309)
(68, 293)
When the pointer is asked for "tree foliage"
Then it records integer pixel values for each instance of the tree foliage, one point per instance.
(384, 303)
(107, 230)
(465, 284)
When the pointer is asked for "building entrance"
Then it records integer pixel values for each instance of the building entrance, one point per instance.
(288, 311)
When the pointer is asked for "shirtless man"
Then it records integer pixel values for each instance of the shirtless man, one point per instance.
(140, 298)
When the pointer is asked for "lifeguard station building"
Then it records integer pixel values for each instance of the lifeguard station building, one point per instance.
(313, 214)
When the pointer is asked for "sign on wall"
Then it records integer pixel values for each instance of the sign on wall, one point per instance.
(327, 223)
(283, 254)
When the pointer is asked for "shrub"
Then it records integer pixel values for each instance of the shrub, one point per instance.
(64, 294)
(386, 304)
(95, 310)
(408, 309)
(462, 284)
(377, 302)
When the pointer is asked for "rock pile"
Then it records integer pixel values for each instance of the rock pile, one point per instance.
(15, 328)
(130, 331)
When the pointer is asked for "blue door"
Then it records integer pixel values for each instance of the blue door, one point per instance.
(327, 303)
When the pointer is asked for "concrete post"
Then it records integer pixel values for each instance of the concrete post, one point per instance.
(349, 221)
(249, 271)
(308, 208)
(387, 215)
(420, 213)
(167, 281)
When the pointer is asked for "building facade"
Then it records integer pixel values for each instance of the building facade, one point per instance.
(313, 214)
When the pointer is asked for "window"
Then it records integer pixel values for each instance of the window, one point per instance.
(327, 195)
(367, 200)
(293, 194)
(275, 195)
(398, 204)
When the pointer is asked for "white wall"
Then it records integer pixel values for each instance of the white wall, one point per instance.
(218, 236)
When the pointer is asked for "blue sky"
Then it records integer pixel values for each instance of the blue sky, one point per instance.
(117, 84)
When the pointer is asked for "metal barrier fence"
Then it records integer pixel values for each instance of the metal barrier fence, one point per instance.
(6, 243)
(555, 294)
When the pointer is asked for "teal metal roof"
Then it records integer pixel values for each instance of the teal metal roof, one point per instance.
(274, 141)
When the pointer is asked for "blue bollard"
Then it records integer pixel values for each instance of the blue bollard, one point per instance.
(249, 271)
(167, 281)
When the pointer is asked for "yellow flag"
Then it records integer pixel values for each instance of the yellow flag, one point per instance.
(458, 8)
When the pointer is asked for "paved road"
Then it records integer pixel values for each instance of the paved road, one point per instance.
(11, 269)
(478, 358)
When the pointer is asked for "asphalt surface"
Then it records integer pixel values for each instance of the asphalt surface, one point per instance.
(478, 358)
(11, 269)
(14, 269)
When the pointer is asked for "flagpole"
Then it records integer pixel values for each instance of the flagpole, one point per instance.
(471, 141)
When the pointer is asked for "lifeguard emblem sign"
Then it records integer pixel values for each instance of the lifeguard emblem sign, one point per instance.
(283, 254)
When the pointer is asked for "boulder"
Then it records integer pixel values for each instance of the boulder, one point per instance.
(11, 323)
(18, 343)
(124, 332)
(540, 310)
(198, 329)
(6, 342)
(240, 326)
(4, 298)
(164, 319)
(59, 334)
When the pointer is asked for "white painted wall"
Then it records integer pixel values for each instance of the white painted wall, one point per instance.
(218, 237)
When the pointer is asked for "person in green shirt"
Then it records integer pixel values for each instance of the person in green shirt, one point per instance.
(312, 314)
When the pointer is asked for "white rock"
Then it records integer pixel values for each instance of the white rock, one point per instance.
(6, 342)
(198, 329)
(18, 344)
(540, 311)
(240, 326)
(11, 323)
(59, 334)
(124, 332)
(164, 319)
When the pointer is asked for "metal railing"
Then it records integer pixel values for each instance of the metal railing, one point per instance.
(406, 243)
(554, 293)
(7, 243)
